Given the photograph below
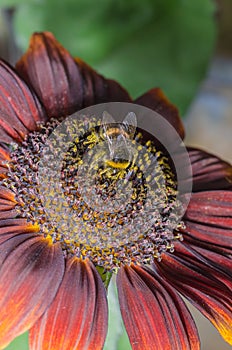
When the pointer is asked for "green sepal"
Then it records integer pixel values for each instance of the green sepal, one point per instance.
(105, 275)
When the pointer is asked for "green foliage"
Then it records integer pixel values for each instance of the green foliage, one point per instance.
(105, 275)
(141, 44)
(11, 3)
(117, 338)
(123, 342)
(20, 343)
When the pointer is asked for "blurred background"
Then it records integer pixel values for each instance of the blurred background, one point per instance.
(182, 46)
(209, 116)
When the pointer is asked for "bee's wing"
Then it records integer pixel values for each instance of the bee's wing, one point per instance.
(106, 124)
(107, 119)
(130, 123)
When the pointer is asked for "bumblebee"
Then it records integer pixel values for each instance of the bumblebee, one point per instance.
(118, 137)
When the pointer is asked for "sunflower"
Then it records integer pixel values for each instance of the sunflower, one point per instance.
(54, 270)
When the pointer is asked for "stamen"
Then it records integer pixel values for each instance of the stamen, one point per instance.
(113, 211)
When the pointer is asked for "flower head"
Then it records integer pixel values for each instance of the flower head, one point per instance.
(57, 246)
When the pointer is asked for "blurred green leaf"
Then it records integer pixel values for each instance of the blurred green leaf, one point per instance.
(20, 343)
(171, 52)
(123, 342)
(116, 338)
(141, 44)
(11, 3)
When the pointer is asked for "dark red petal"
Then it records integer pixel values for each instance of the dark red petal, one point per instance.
(30, 277)
(63, 84)
(4, 156)
(7, 194)
(14, 232)
(9, 241)
(209, 171)
(97, 89)
(53, 74)
(4, 153)
(16, 225)
(77, 319)
(155, 316)
(157, 101)
(20, 109)
(7, 210)
(209, 218)
(207, 286)
(218, 259)
(7, 203)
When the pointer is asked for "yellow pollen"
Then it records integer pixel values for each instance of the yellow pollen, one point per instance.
(120, 213)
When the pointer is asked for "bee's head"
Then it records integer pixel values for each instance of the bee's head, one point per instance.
(110, 128)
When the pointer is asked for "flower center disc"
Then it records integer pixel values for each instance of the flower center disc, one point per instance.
(112, 199)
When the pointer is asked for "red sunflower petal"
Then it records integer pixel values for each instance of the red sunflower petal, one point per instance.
(209, 171)
(155, 316)
(7, 194)
(97, 89)
(77, 319)
(7, 210)
(30, 277)
(12, 233)
(16, 225)
(4, 156)
(4, 153)
(9, 241)
(204, 285)
(157, 101)
(218, 259)
(209, 218)
(20, 109)
(53, 74)
(7, 203)
(63, 84)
